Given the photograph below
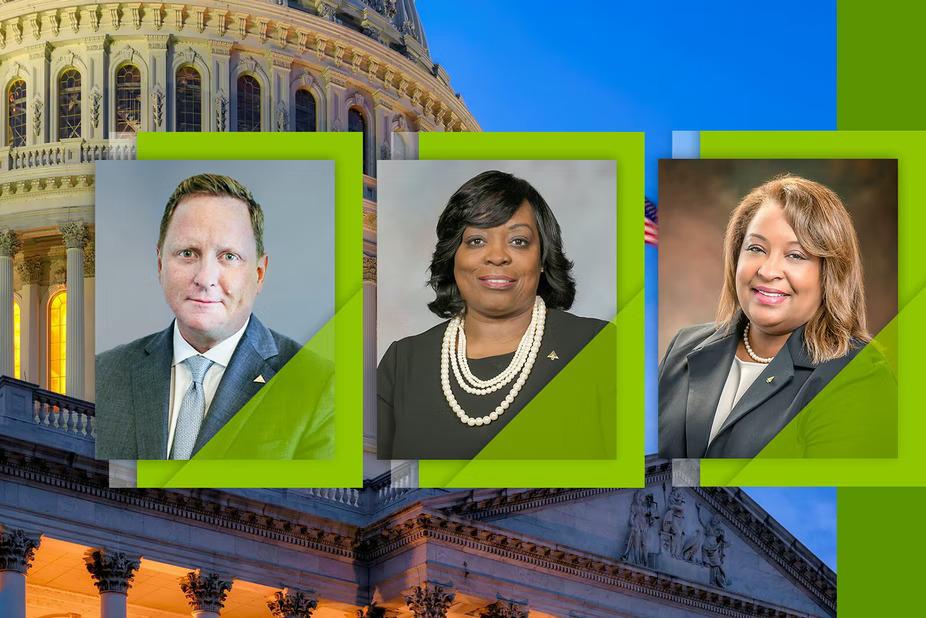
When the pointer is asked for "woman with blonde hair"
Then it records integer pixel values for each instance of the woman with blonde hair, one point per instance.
(791, 315)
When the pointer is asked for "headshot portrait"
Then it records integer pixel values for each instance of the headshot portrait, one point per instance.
(773, 277)
(491, 277)
(208, 285)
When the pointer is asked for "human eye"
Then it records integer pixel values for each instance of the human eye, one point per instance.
(186, 253)
(794, 255)
(228, 256)
(520, 241)
(753, 248)
(475, 241)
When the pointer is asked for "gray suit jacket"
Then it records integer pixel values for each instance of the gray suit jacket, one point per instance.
(691, 378)
(133, 389)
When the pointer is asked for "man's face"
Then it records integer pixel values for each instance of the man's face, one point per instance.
(209, 268)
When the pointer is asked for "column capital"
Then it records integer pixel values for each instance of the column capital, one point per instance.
(17, 549)
(205, 592)
(505, 609)
(9, 242)
(74, 233)
(30, 270)
(290, 603)
(429, 601)
(111, 571)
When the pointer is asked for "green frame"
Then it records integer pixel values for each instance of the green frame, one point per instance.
(340, 339)
(626, 469)
(909, 467)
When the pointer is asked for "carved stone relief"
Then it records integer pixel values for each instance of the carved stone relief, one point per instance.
(205, 592)
(429, 601)
(291, 604)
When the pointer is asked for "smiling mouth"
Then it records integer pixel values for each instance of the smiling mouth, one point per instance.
(767, 296)
(497, 282)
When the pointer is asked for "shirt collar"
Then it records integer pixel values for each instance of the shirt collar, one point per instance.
(220, 353)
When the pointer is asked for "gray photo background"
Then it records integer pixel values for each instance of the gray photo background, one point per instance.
(298, 202)
(412, 194)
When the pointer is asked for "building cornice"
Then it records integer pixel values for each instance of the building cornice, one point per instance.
(387, 539)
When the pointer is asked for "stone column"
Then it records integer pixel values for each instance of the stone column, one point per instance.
(279, 91)
(94, 121)
(89, 320)
(17, 549)
(429, 601)
(112, 573)
(30, 273)
(37, 109)
(205, 592)
(9, 245)
(335, 94)
(75, 238)
(158, 77)
(220, 88)
(291, 604)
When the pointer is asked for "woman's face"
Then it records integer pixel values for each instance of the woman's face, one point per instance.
(497, 269)
(777, 280)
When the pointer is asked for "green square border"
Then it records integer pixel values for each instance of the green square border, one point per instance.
(909, 148)
(345, 469)
(627, 468)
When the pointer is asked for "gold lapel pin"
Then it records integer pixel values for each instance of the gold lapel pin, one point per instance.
(552, 355)
(769, 379)
(260, 380)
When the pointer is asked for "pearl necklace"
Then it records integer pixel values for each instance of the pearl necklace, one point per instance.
(453, 356)
(753, 355)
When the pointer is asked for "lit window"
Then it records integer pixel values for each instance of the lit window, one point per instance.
(17, 346)
(189, 99)
(57, 341)
(128, 99)
(356, 123)
(248, 104)
(16, 114)
(305, 111)
(69, 104)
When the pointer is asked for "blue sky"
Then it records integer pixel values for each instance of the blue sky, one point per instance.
(653, 67)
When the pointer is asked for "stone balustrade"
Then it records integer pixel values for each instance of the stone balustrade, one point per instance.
(67, 414)
(65, 152)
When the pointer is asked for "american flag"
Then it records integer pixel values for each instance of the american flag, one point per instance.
(650, 223)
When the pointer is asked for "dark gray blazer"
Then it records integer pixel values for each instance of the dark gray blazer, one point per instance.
(133, 389)
(691, 378)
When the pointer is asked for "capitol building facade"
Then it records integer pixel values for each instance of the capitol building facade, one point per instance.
(79, 81)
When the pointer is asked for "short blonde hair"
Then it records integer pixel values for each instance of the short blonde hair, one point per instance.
(824, 229)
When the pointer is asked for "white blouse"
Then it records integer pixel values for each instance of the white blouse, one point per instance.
(742, 375)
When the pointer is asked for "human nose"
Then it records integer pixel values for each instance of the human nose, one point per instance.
(497, 253)
(207, 272)
(772, 267)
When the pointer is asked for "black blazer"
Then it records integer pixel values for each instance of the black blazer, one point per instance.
(692, 376)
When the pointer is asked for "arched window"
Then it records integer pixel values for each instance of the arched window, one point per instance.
(305, 111)
(189, 100)
(356, 122)
(128, 99)
(17, 346)
(16, 113)
(248, 104)
(69, 104)
(57, 341)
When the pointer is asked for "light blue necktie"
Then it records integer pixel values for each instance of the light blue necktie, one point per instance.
(192, 409)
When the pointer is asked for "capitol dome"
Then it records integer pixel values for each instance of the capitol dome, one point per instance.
(81, 79)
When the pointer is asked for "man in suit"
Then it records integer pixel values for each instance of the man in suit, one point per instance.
(166, 395)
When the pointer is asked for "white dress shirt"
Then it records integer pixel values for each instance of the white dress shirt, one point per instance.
(181, 378)
(742, 375)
